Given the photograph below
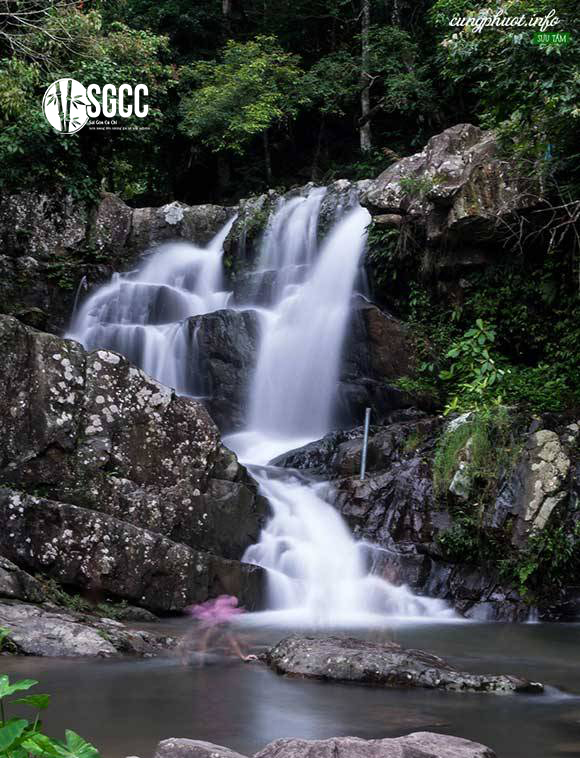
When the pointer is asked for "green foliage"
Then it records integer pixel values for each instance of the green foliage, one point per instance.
(529, 91)
(485, 443)
(549, 560)
(253, 86)
(473, 376)
(21, 738)
(77, 604)
(417, 187)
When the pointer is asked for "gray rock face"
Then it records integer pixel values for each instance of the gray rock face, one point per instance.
(395, 508)
(456, 185)
(416, 745)
(17, 584)
(139, 463)
(50, 245)
(346, 659)
(225, 344)
(51, 633)
(198, 224)
(180, 748)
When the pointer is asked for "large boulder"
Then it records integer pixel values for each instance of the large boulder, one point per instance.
(143, 467)
(416, 745)
(347, 659)
(225, 345)
(457, 186)
(198, 224)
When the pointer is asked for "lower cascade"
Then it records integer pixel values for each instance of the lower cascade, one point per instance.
(318, 574)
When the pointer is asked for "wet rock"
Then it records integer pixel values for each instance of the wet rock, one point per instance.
(90, 429)
(456, 186)
(347, 659)
(416, 745)
(42, 226)
(537, 487)
(108, 234)
(225, 344)
(89, 550)
(43, 631)
(197, 224)
(17, 584)
(181, 748)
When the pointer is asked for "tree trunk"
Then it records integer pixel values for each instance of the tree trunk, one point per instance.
(365, 97)
(267, 159)
(223, 171)
(314, 175)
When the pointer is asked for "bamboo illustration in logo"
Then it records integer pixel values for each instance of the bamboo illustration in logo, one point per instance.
(65, 104)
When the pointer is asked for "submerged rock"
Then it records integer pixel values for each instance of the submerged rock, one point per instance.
(49, 632)
(346, 659)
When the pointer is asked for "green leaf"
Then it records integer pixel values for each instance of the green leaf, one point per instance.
(10, 732)
(479, 323)
(8, 689)
(36, 701)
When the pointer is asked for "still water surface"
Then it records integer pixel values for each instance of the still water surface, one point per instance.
(125, 707)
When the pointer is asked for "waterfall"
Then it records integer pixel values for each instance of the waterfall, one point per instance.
(141, 314)
(317, 572)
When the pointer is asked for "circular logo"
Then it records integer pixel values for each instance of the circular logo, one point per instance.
(65, 106)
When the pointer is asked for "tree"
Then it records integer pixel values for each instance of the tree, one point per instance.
(253, 87)
(366, 81)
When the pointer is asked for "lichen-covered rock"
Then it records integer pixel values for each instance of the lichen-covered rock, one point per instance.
(416, 745)
(89, 550)
(538, 485)
(41, 226)
(198, 224)
(457, 186)
(347, 659)
(92, 430)
(142, 465)
(48, 632)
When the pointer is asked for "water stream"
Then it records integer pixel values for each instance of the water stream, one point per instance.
(317, 573)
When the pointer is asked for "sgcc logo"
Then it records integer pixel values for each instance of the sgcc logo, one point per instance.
(68, 104)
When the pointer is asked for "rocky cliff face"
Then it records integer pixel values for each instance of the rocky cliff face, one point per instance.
(52, 247)
(114, 483)
(397, 508)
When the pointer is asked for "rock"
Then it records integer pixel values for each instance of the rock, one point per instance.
(91, 430)
(378, 350)
(117, 456)
(416, 745)
(197, 224)
(456, 186)
(90, 550)
(50, 633)
(181, 748)
(226, 345)
(111, 225)
(537, 487)
(17, 584)
(346, 659)
(41, 226)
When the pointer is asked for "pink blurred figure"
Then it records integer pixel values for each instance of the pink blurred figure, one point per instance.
(215, 616)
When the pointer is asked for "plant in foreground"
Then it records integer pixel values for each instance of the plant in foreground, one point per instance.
(21, 738)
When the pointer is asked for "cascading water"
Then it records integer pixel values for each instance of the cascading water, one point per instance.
(141, 314)
(317, 572)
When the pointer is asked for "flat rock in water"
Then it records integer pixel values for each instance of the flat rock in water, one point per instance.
(41, 631)
(180, 748)
(346, 659)
(417, 745)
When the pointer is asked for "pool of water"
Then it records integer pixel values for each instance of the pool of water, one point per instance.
(125, 706)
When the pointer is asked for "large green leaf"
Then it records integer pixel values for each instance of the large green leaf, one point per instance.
(77, 747)
(36, 701)
(10, 732)
(9, 689)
